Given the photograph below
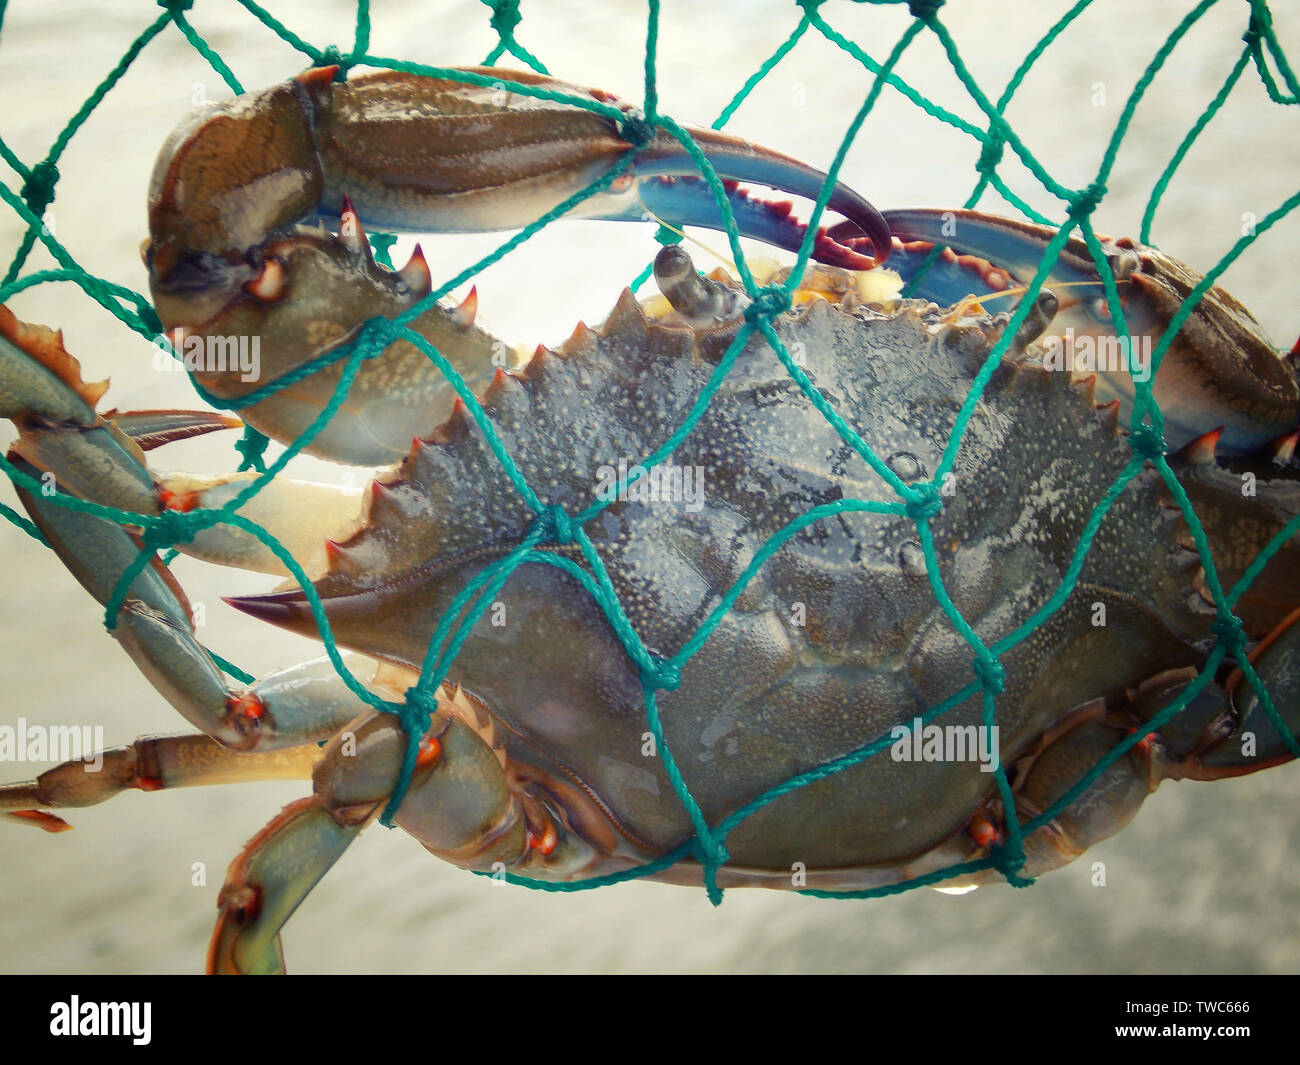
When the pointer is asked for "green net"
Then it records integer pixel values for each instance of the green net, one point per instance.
(921, 502)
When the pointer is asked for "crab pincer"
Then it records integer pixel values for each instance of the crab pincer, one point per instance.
(229, 254)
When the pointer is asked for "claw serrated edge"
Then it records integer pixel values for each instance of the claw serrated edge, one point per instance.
(45, 345)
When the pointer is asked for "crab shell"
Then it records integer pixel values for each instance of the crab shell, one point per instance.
(839, 636)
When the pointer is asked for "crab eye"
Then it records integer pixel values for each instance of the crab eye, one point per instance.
(269, 284)
(1098, 309)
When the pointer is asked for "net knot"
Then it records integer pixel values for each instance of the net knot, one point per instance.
(767, 303)
(924, 9)
(171, 527)
(635, 129)
(711, 852)
(38, 189)
(332, 57)
(375, 335)
(417, 710)
(990, 672)
(1261, 22)
(923, 502)
(662, 674)
(505, 17)
(991, 153)
(1009, 865)
(176, 7)
(252, 447)
(556, 525)
(810, 6)
(1085, 201)
(1148, 441)
(1230, 635)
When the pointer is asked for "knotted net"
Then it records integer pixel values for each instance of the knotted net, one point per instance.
(36, 186)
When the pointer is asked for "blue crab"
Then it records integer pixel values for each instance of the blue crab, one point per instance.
(535, 762)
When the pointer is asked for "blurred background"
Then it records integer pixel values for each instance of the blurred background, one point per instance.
(1208, 876)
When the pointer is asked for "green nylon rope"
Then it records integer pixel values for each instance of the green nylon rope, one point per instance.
(553, 526)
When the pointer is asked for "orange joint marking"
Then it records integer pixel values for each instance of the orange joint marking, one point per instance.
(246, 903)
(982, 831)
(546, 842)
(429, 753)
(248, 706)
(150, 783)
(182, 501)
(1144, 744)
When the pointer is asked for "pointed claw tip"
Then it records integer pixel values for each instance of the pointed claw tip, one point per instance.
(279, 608)
(42, 820)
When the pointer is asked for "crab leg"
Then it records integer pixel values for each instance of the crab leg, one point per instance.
(1223, 732)
(151, 763)
(1221, 369)
(42, 391)
(299, 514)
(1242, 504)
(470, 802)
(307, 702)
(1236, 734)
(268, 881)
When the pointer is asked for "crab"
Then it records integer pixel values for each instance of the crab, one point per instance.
(681, 685)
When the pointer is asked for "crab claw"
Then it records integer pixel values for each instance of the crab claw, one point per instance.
(665, 183)
(456, 177)
(1220, 370)
(441, 155)
(234, 268)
